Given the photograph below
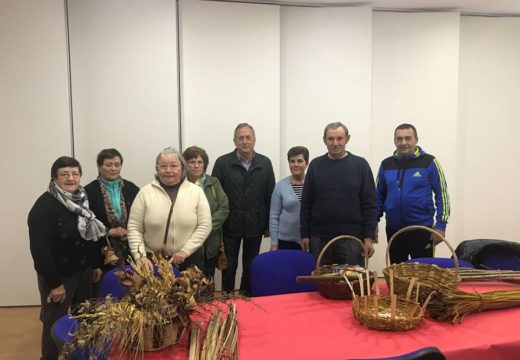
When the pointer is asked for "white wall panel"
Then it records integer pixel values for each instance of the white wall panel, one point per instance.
(415, 80)
(34, 129)
(489, 113)
(326, 57)
(230, 61)
(124, 82)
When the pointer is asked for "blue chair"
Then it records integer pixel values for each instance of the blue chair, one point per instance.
(500, 260)
(275, 272)
(62, 332)
(111, 284)
(427, 353)
(446, 263)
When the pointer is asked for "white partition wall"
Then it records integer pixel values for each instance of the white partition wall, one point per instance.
(326, 59)
(34, 129)
(124, 82)
(415, 80)
(489, 115)
(230, 74)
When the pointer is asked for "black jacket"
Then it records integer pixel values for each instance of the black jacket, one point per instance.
(97, 205)
(248, 192)
(57, 248)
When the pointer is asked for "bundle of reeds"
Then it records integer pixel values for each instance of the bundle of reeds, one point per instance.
(454, 305)
(153, 315)
(221, 337)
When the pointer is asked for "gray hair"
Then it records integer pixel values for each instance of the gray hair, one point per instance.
(334, 125)
(170, 150)
(240, 126)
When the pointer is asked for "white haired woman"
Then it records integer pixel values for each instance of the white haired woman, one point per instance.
(170, 216)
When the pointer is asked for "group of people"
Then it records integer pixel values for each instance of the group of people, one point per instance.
(187, 215)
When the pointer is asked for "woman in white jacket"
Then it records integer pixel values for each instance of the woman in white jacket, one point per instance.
(169, 217)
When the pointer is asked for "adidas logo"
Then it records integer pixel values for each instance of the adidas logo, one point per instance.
(417, 174)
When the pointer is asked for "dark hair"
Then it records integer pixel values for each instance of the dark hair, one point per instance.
(193, 152)
(64, 161)
(334, 125)
(108, 154)
(240, 126)
(406, 126)
(298, 150)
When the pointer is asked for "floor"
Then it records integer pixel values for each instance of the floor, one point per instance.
(20, 333)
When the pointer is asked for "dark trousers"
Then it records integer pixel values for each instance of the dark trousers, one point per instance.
(209, 266)
(288, 245)
(78, 288)
(195, 259)
(414, 243)
(250, 249)
(340, 252)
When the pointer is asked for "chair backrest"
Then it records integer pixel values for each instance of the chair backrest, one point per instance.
(275, 272)
(111, 284)
(446, 263)
(62, 332)
(426, 353)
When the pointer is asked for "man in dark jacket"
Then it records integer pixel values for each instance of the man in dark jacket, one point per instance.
(338, 199)
(405, 183)
(248, 181)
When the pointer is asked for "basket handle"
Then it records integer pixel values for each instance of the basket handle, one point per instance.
(346, 237)
(420, 227)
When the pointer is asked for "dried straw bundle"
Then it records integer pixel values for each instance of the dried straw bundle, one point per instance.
(221, 337)
(152, 316)
(454, 305)
(389, 313)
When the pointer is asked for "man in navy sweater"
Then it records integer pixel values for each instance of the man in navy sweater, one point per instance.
(338, 199)
(405, 183)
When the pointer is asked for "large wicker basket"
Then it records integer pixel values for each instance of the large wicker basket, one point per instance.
(429, 277)
(159, 336)
(339, 290)
(374, 312)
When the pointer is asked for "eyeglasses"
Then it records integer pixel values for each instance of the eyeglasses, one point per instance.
(66, 175)
(165, 167)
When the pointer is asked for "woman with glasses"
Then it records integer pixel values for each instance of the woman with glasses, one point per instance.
(110, 198)
(170, 216)
(64, 236)
(198, 161)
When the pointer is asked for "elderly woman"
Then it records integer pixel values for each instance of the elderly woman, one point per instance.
(284, 216)
(110, 198)
(198, 161)
(64, 235)
(170, 216)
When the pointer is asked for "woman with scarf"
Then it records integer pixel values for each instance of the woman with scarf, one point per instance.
(110, 198)
(64, 236)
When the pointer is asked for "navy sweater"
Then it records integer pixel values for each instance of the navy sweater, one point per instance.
(339, 198)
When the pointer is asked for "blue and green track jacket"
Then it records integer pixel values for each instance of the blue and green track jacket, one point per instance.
(404, 191)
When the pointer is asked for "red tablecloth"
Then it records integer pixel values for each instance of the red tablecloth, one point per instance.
(307, 326)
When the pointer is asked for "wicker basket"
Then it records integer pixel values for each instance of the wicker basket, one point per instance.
(429, 277)
(159, 336)
(339, 290)
(408, 314)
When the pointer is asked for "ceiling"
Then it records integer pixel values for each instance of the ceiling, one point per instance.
(476, 7)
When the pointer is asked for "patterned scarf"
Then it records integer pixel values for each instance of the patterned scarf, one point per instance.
(89, 227)
(109, 207)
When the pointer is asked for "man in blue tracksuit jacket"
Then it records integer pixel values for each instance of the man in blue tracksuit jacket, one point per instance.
(405, 183)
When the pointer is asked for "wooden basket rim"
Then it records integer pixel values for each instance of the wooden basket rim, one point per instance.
(421, 227)
(340, 237)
